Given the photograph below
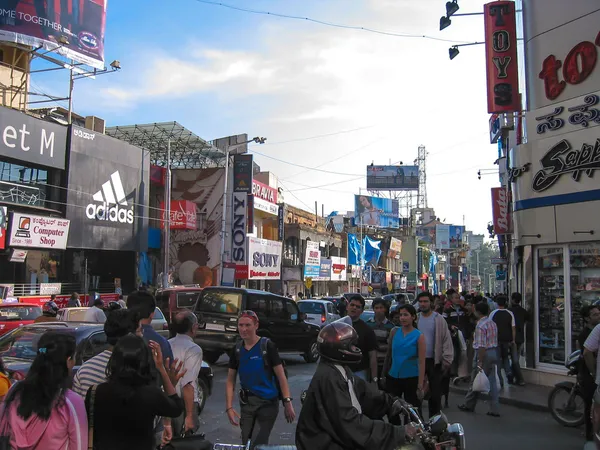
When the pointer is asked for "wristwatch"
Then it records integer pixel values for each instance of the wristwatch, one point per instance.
(287, 400)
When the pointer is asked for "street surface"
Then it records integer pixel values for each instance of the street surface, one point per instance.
(517, 429)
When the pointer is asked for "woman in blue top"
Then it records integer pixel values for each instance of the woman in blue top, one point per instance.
(404, 366)
(257, 361)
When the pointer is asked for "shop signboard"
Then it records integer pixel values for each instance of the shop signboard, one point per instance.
(268, 207)
(242, 173)
(392, 178)
(239, 229)
(29, 231)
(376, 212)
(395, 248)
(25, 138)
(107, 194)
(18, 255)
(81, 24)
(312, 260)
(501, 211)
(250, 209)
(50, 288)
(324, 270)
(3, 224)
(281, 221)
(265, 259)
(338, 269)
(405, 266)
(264, 192)
(183, 215)
(442, 237)
(420, 261)
(501, 57)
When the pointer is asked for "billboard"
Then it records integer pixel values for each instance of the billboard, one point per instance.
(183, 215)
(239, 233)
(376, 211)
(338, 269)
(107, 193)
(265, 259)
(442, 237)
(501, 57)
(324, 270)
(47, 24)
(392, 178)
(395, 248)
(456, 233)
(242, 173)
(312, 260)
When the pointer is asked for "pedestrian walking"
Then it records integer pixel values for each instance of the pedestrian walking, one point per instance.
(522, 316)
(395, 318)
(93, 372)
(262, 380)
(485, 344)
(74, 301)
(41, 413)
(186, 350)
(457, 318)
(381, 327)
(95, 313)
(439, 352)
(367, 342)
(507, 332)
(404, 366)
(591, 317)
(123, 409)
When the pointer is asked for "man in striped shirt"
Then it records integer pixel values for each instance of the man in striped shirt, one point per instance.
(485, 344)
(118, 324)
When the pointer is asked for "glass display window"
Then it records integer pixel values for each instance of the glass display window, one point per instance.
(584, 277)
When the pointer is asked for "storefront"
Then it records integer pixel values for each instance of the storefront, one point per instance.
(555, 186)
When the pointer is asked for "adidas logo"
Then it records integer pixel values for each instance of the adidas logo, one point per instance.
(112, 193)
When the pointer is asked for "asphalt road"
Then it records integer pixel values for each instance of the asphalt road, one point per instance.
(517, 429)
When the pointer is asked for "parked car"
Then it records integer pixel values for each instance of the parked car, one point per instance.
(176, 298)
(72, 314)
(18, 349)
(279, 319)
(160, 324)
(337, 301)
(319, 312)
(15, 315)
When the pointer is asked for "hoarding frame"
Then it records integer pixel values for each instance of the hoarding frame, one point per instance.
(392, 178)
(376, 211)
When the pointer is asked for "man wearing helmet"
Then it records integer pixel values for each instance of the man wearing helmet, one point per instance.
(49, 311)
(341, 411)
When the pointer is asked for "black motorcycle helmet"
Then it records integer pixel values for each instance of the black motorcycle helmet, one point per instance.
(337, 342)
(50, 309)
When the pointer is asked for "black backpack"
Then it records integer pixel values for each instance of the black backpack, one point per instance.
(265, 356)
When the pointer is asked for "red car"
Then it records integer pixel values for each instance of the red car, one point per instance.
(15, 315)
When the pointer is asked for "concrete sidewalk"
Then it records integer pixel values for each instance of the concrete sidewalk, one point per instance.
(531, 396)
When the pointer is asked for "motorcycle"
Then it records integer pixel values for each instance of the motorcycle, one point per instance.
(566, 401)
(436, 434)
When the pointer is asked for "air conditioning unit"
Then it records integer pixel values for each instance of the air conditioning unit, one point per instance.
(95, 124)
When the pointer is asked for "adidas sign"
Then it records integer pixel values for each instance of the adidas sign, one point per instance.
(111, 199)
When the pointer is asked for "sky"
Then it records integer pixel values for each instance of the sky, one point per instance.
(325, 97)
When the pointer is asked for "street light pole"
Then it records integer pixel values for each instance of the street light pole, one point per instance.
(167, 219)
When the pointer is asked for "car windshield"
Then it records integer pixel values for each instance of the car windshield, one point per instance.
(21, 343)
(76, 315)
(311, 308)
(215, 301)
(19, 313)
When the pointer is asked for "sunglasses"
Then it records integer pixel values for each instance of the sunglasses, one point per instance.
(250, 314)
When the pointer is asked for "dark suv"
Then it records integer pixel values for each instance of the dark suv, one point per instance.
(279, 320)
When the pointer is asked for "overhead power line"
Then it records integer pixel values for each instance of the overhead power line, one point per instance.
(330, 24)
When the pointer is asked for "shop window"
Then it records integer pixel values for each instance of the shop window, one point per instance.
(584, 264)
(551, 287)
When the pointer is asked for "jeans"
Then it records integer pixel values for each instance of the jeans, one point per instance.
(405, 388)
(588, 387)
(434, 375)
(489, 366)
(516, 366)
(257, 419)
(504, 351)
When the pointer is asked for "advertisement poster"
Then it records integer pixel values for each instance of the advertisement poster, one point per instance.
(426, 234)
(392, 178)
(183, 215)
(378, 279)
(27, 230)
(376, 212)
(395, 248)
(3, 223)
(265, 259)
(338, 269)
(79, 23)
(324, 271)
(442, 237)
(456, 235)
(242, 173)
(312, 261)
(239, 229)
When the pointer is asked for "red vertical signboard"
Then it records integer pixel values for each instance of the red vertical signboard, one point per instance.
(501, 57)
(501, 211)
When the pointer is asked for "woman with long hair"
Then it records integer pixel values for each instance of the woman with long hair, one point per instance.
(404, 366)
(122, 411)
(40, 412)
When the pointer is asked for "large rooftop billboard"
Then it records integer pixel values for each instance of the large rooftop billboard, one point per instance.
(392, 178)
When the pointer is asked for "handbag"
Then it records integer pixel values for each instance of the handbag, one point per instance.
(90, 418)
(187, 442)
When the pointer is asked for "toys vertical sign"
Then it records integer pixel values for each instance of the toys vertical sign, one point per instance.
(501, 57)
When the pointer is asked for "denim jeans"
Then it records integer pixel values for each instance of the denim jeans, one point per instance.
(504, 353)
(516, 365)
(489, 367)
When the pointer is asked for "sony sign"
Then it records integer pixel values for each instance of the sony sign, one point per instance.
(238, 229)
(35, 141)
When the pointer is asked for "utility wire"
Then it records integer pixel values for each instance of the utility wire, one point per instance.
(317, 136)
(330, 24)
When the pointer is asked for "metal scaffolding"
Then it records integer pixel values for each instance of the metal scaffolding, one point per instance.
(188, 151)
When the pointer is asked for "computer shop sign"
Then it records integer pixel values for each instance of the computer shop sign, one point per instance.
(27, 230)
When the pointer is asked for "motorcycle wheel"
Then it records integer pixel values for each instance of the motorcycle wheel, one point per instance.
(566, 407)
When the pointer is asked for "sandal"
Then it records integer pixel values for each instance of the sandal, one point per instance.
(493, 414)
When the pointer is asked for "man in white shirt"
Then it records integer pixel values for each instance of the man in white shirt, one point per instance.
(186, 350)
(95, 313)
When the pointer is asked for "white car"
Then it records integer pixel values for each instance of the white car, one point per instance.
(318, 312)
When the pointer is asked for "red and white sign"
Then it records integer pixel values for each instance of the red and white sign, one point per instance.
(501, 211)
(264, 260)
(501, 57)
(338, 268)
(27, 230)
(264, 192)
(183, 215)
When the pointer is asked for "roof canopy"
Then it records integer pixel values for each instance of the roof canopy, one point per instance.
(188, 151)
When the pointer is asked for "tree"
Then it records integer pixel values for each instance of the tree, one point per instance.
(488, 251)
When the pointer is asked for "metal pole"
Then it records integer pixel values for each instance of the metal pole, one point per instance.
(224, 219)
(85, 280)
(71, 82)
(477, 252)
(167, 219)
